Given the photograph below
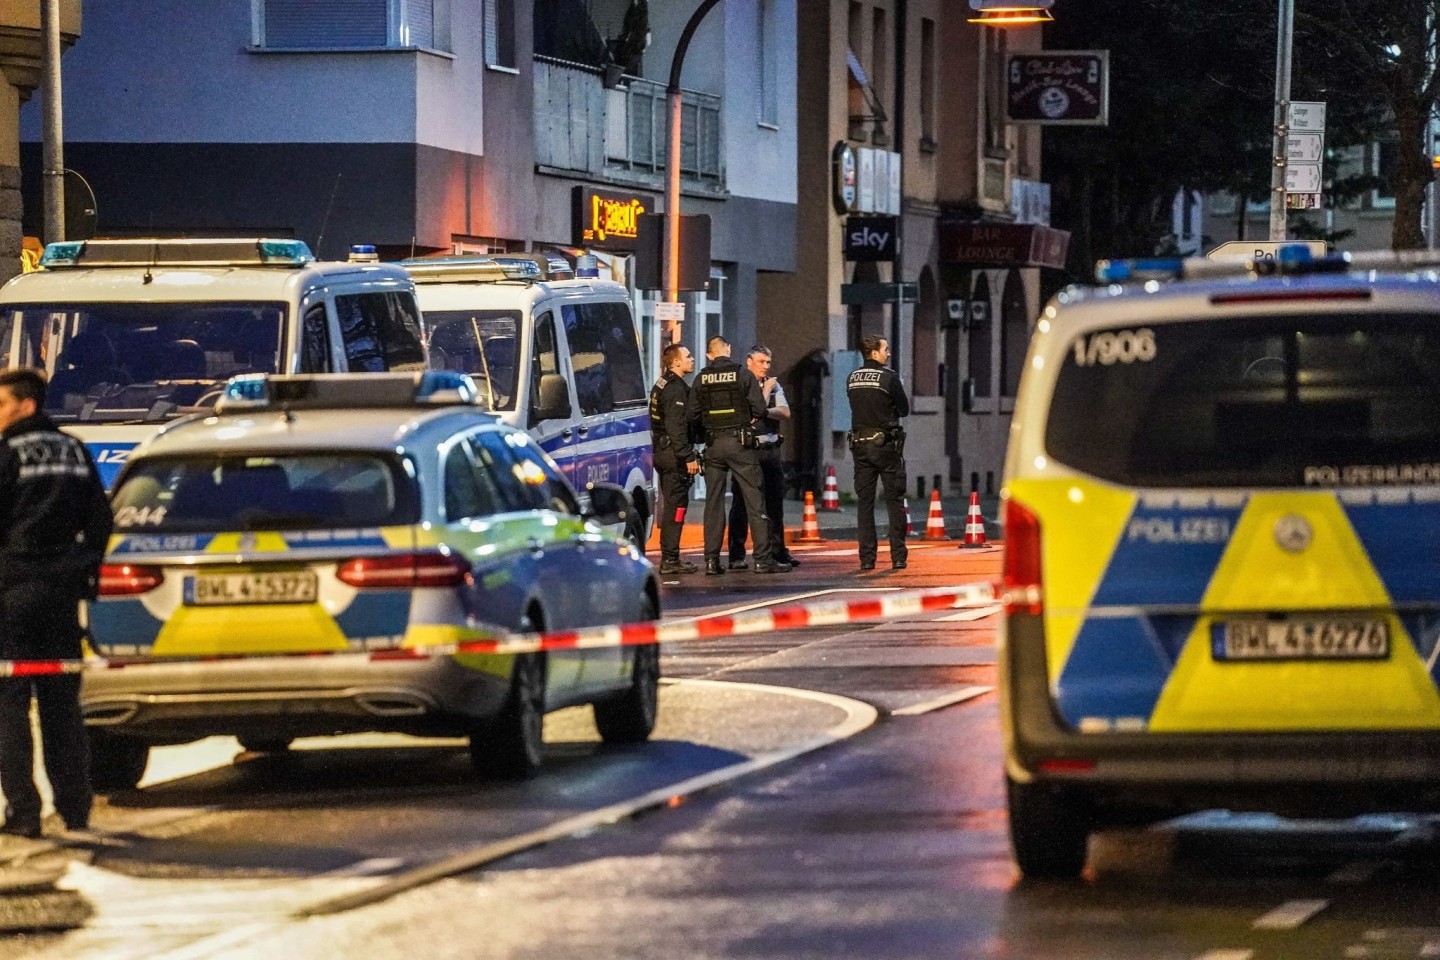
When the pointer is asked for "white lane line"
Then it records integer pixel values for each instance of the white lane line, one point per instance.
(1290, 915)
(979, 614)
(1358, 872)
(945, 700)
(858, 716)
(1226, 954)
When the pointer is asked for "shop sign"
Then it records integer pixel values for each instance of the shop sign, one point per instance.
(608, 219)
(1058, 87)
(1002, 245)
(870, 238)
(844, 177)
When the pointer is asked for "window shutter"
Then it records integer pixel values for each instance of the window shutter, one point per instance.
(419, 26)
(325, 23)
(492, 33)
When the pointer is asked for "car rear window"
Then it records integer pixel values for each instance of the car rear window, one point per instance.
(1310, 400)
(219, 492)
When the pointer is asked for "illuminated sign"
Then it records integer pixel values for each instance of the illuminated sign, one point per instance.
(606, 219)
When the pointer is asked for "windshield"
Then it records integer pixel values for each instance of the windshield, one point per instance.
(481, 343)
(1321, 401)
(142, 362)
(217, 492)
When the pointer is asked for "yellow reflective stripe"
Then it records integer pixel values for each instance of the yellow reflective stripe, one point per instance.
(248, 629)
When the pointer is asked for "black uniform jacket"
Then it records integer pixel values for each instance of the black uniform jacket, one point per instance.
(54, 517)
(877, 397)
(746, 386)
(669, 417)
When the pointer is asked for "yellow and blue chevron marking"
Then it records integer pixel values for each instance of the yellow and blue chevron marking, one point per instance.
(1136, 583)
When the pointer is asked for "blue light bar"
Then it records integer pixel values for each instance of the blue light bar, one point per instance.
(341, 391)
(1155, 268)
(363, 253)
(64, 253)
(293, 252)
(248, 390)
(1294, 253)
(446, 386)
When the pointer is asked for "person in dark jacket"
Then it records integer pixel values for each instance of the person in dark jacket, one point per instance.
(55, 523)
(772, 466)
(675, 458)
(877, 442)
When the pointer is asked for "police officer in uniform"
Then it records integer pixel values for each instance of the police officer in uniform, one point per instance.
(877, 442)
(675, 457)
(54, 525)
(772, 468)
(725, 402)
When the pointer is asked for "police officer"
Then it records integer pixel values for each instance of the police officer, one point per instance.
(877, 442)
(675, 458)
(725, 402)
(54, 525)
(772, 469)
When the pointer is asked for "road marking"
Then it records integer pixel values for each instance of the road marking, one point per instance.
(946, 700)
(1226, 955)
(1290, 915)
(979, 614)
(1358, 872)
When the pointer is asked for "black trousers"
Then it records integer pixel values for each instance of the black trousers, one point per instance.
(883, 463)
(674, 501)
(725, 456)
(772, 486)
(38, 621)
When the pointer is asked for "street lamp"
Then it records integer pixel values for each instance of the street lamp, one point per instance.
(1009, 13)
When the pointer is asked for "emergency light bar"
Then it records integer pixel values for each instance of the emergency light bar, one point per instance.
(1291, 260)
(430, 388)
(528, 267)
(175, 253)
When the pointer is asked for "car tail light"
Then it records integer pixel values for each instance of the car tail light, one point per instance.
(1020, 576)
(128, 579)
(404, 571)
(1066, 765)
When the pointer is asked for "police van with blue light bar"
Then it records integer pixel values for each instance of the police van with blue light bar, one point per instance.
(282, 566)
(554, 351)
(136, 332)
(1221, 509)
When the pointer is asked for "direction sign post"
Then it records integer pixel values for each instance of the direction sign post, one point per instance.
(1261, 249)
(1305, 155)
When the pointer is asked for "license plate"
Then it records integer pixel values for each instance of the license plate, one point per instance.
(1325, 637)
(217, 589)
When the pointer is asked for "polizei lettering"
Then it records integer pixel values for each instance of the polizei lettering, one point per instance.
(1194, 529)
(728, 377)
(866, 378)
(48, 455)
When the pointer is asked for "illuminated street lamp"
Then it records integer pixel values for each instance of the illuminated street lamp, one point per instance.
(1009, 13)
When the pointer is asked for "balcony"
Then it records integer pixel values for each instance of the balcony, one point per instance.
(618, 133)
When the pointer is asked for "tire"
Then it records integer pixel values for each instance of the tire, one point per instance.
(630, 717)
(1049, 833)
(116, 763)
(511, 745)
(635, 531)
(266, 744)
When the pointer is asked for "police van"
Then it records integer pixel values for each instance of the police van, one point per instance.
(553, 354)
(1221, 508)
(137, 332)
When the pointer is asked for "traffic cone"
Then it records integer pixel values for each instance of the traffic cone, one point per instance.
(909, 524)
(935, 523)
(974, 523)
(830, 496)
(810, 524)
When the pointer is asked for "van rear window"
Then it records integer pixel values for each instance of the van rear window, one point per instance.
(1323, 401)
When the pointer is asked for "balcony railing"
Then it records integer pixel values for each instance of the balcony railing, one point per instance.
(619, 133)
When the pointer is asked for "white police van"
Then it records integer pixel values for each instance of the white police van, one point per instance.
(554, 355)
(136, 332)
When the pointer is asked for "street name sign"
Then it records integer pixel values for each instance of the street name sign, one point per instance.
(1305, 148)
(1302, 178)
(1305, 155)
(1260, 249)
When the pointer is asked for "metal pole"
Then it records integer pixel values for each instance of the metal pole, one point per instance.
(1284, 44)
(897, 273)
(53, 151)
(672, 160)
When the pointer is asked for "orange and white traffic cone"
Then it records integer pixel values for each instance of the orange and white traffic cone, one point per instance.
(974, 523)
(935, 523)
(909, 524)
(810, 524)
(830, 496)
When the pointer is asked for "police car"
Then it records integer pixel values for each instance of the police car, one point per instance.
(370, 514)
(1222, 587)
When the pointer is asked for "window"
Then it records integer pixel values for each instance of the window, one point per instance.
(494, 462)
(879, 53)
(470, 489)
(995, 87)
(381, 331)
(480, 343)
(768, 61)
(978, 342)
(604, 357)
(500, 33)
(927, 82)
(352, 24)
(546, 485)
(1382, 159)
(545, 361)
(1014, 333)
(315, 341)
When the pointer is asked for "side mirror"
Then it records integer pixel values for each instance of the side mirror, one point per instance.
(609, 503)
(553, 398)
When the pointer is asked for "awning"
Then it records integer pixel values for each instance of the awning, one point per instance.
(1002, 245)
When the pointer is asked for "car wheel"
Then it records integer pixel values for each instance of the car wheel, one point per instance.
(1049, 833)
(630, 717)
(635, 532)
(116, 763)
(266, 744)
(512, 744)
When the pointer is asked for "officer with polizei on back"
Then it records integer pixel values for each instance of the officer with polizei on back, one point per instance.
(676, 459)
(877, 442)
(726, 402)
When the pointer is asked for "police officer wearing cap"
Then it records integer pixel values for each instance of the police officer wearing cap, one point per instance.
(726, 402)
(675, 457)
(54, 525)
(877, 443)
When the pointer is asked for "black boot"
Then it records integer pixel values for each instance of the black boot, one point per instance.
(676, 566)
(713, 567)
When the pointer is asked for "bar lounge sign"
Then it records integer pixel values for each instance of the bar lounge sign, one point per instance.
(608, 219)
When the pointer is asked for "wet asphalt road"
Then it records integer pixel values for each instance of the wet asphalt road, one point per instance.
(888, 844)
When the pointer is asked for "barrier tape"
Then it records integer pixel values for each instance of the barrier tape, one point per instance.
(765, 620)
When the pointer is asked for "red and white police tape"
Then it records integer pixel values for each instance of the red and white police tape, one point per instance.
(793, 617)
